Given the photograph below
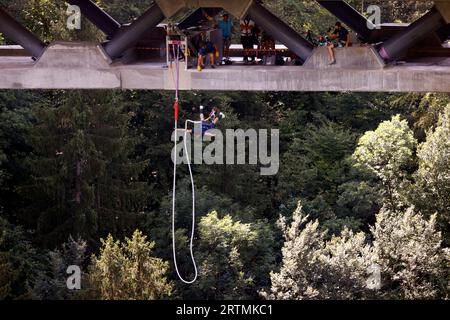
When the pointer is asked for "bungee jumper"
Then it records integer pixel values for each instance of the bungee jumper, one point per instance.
(214, 117)
(210, 123)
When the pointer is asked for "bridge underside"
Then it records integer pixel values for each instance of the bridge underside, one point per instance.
(86, 66)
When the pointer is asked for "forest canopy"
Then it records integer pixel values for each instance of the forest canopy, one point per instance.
(359, 209)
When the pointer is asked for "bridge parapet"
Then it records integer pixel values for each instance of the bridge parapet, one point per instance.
(363, 58)
(63, 65)
(81, 55)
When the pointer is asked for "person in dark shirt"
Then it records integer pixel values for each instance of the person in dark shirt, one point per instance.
(207, 48)
(339, 38)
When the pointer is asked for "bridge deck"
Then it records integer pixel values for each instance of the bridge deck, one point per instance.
(67, 68)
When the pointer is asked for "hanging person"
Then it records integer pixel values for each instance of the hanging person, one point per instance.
(212, 121)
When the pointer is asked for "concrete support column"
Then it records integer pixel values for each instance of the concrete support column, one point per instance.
(348, 15)
(127, 38)
(280, 31)
(20, 35)
(401, 42)
(97, 16)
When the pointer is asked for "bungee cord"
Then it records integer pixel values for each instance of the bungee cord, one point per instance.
(176, 58)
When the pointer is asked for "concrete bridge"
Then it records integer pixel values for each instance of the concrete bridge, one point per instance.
(372, 65)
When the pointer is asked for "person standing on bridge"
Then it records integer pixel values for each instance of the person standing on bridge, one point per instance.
(339, 38)
(226, 25)
(248, 39)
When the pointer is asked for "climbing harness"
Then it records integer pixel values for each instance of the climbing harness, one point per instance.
(176, 45)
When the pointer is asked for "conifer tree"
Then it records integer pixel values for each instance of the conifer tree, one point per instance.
(234, 258)
(128, 271)
(83, 181)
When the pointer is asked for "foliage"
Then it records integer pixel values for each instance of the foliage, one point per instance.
(20, 263)
(95, 163)
(406, 250)
(234, 258)
(82, 182)
(52, 284)
(388, 152)
(433, 176)
(128, 271)
(313, 268)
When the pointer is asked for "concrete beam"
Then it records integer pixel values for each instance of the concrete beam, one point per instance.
(398, 45)
(395, 79)
(129, 36)
(348, 15)
(97, 16)
(280, 31)
(237, 8)
(14, 31)
(86, 66)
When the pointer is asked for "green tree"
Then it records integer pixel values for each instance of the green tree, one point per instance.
(48, 20)
(396, 10)
(51, 284)
(408, 250)
(316, 167)
(388, 153)
(234, 258)
(422, 110)
(83, 182)
(128, 271)
(125, 12)
(15, 122)
(433, 176)
(20, 263)
(313, 268)
(405, 260)
(158, 222)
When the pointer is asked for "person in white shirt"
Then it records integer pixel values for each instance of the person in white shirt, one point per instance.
(248, 39)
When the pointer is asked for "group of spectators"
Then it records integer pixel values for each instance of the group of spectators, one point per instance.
(251, 35)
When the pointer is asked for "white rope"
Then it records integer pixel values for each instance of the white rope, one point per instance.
(174, 193)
